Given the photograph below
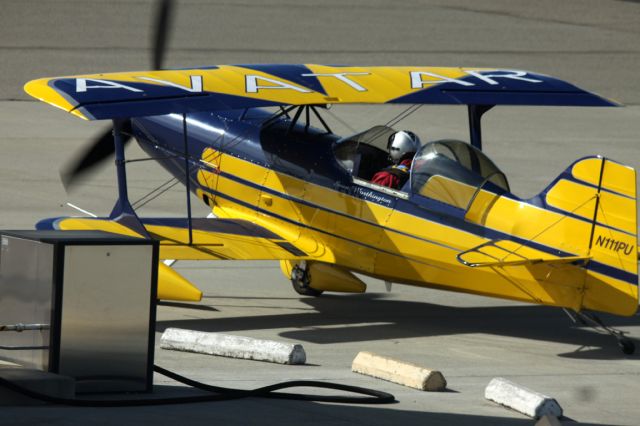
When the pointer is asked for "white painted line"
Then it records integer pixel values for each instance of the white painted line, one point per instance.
(88, 213)
(232, 346)
(519, 398)
(403, 373)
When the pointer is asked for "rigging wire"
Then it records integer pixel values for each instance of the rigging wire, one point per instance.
(341, 121)
(389, 124)
(166, 186)
(155, 193)
(397, 119)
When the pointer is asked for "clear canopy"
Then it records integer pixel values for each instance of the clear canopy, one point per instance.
(453, 171)
(364, 153)
(448, 170)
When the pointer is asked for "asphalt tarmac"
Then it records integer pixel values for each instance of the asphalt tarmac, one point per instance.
(593, 43)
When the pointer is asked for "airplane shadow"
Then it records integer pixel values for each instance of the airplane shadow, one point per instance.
(269, 411)
(368, 317)
(187, 306)
(253, 411)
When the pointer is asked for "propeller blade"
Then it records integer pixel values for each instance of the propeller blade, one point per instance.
(92, 155)
(103, 147)
(161, 32)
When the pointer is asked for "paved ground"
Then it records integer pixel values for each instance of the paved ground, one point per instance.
(592, 43)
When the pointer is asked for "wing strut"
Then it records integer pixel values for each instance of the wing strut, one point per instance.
(187, 176)
(475, 131)
(307, 109)
(123, 212)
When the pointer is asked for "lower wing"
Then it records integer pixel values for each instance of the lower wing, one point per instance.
(211, 239)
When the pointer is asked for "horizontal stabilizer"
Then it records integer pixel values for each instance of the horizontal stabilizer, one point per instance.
(498, 253)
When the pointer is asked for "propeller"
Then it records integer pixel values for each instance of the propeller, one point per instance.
(162, 27)
(102, 147)
(93, 154)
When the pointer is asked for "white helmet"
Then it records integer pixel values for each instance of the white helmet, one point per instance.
(402, 143)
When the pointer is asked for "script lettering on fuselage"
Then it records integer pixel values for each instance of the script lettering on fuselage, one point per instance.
(614, 245)
(369, 195)
(256, 83)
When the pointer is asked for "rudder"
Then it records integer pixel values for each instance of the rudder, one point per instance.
(603, 192)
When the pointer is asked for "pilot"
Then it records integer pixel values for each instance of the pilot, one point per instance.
(402, 146)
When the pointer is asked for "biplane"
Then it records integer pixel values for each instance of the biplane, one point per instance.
(241, 139)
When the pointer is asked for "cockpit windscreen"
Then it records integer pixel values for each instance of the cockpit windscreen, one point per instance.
(364, 153)
(452, 171)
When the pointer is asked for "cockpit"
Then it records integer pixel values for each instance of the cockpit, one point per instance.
(450, 171)
(365, 153)
(454, 172)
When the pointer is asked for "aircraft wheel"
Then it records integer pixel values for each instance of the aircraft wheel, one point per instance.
(627, 346)
(300, 280)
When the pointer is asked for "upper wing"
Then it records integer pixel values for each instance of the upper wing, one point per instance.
(134, 94)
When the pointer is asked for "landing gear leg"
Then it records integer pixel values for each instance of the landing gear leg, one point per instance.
(300, 279)
(592, 320)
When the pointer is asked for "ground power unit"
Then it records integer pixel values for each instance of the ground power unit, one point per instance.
(80, 304)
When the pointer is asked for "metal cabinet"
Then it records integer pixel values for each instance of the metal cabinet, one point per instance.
(89, 299)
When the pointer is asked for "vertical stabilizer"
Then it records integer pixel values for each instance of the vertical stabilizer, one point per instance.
(603, 192)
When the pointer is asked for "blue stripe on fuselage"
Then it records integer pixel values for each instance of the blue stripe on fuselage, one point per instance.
(250, 150)
(452, 222)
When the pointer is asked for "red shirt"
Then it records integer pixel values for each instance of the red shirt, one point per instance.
(389, 179)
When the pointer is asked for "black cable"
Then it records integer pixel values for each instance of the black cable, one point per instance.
(222, 394)
(112, 403)
(374, 396)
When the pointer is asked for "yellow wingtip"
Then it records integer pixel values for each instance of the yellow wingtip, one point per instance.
(42, 91)
(173, 286)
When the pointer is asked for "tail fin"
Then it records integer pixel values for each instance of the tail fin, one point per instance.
(601, 193)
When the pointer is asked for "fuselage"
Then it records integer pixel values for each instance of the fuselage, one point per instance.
(287, 179)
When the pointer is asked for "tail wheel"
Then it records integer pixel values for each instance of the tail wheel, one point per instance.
(626, 345)
(300, 279)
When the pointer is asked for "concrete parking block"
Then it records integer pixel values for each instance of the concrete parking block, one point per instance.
(522, 399)
(232, 346)
(400, 372)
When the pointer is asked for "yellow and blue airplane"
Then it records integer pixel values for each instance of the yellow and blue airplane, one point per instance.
(240, 138)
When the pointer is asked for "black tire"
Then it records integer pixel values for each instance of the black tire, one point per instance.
(627, 346)
(300, 280)
(305, 290)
